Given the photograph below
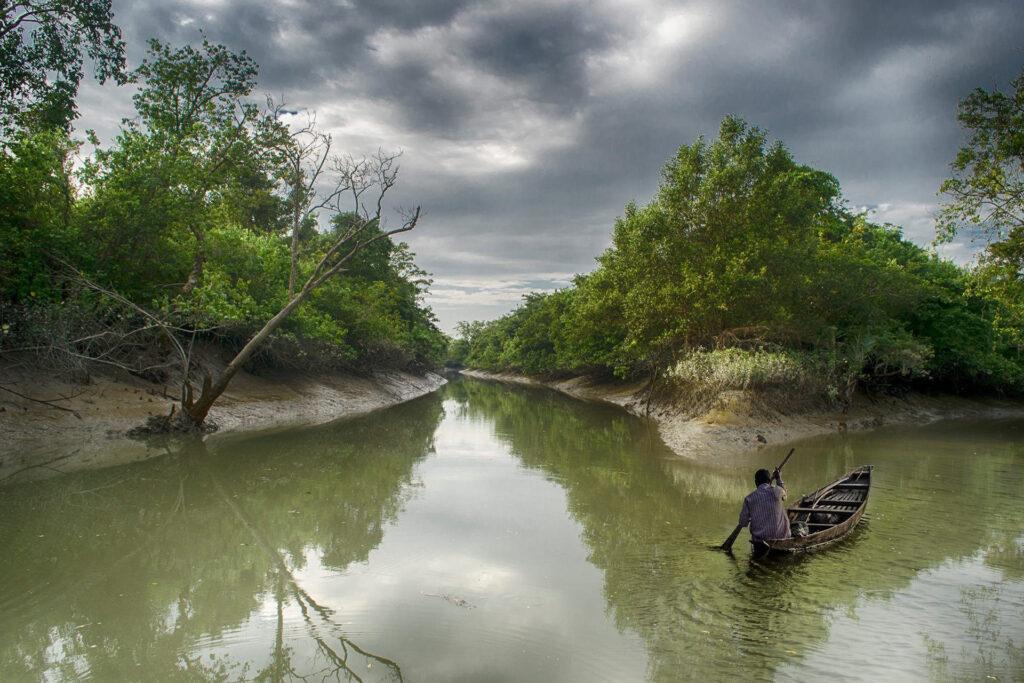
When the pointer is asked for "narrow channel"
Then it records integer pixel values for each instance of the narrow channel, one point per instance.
(489, 532)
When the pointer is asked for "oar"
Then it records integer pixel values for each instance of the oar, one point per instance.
(789, 455)
(727, 546)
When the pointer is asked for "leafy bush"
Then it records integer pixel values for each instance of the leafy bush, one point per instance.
(726, 369)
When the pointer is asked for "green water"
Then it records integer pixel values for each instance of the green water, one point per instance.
(495, 533)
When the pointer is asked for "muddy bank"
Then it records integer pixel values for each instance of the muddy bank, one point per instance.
(740, 421)
(37, 440)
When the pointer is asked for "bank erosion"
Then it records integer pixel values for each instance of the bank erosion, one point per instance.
(90, 423)
(737, 421)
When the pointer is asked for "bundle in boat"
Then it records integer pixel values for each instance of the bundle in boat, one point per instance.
(827, 515)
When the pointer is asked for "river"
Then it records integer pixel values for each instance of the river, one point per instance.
(495, 533)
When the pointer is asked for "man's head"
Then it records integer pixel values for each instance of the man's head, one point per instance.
(762, 477)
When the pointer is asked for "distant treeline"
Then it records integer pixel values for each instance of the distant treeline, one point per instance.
(747, 269)
(203, 210)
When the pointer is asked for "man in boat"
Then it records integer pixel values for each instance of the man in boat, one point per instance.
(763, 510)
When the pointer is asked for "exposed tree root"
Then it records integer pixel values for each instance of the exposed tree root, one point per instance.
(175, 422)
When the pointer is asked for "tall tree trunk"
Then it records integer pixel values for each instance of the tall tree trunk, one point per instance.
(296, 224)
(197, 263)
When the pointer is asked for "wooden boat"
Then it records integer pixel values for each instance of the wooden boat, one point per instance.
(830, 513)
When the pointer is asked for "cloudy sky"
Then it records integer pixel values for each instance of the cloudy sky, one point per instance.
(526, 126)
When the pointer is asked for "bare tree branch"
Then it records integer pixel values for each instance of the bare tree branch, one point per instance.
(165, 328)
(49, 403)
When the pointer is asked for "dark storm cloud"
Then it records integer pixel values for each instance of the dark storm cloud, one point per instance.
(544, 47)
(408, 14)
(528, 125)
(422, 99)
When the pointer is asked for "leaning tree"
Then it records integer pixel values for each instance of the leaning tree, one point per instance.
(366, 181)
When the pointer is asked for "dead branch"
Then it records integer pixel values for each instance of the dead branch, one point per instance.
(304, 154)
(362, 175)
(48, 465)
(49, 403)
(163, 326)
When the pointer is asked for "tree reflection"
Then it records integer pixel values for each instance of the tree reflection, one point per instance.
(140, 571)
(205, 564)
(648, 519)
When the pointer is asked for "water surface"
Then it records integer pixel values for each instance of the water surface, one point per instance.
(490, 532)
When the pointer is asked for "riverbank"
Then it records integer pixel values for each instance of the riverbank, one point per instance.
(89, 429)
(742, 421)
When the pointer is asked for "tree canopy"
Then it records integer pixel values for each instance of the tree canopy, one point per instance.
(744, 248)
(185, 214)
(986, 190)
(985, 196)
(43, 44)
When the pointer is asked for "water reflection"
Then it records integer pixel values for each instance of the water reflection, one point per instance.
(121, 571)
(941, 493)
(502, 533)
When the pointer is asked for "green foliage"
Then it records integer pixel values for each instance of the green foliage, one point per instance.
(986, 194)
(751, 254)
(986, 190)
(165, 182)
(182, 214)
(735, 368)
(729, 236)
(42, 46)
(241, 285)
(37, 199)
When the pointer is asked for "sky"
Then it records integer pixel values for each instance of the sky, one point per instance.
(527, 126)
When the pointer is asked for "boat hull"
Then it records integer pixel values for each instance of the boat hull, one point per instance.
(846, 498)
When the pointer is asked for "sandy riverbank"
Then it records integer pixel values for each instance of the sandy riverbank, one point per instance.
(37, 440)
(739, 422)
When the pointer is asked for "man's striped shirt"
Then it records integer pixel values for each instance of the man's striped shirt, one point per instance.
(763, 511)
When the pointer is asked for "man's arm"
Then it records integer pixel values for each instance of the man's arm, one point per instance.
(744, 520)
(780, 486)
